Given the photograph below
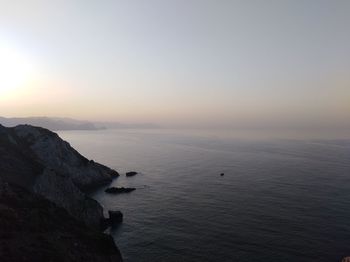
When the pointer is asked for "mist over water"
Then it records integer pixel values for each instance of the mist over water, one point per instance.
(280, 199)
(198, 62)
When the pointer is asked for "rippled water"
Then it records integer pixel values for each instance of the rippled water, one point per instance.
(280, 200)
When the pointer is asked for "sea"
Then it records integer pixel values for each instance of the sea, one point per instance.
(280, 198)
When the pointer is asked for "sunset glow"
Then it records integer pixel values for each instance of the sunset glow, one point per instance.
(231, 64)
(16, 71)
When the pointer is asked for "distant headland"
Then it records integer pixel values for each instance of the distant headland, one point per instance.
(64, 123)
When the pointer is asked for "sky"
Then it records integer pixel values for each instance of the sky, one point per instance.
(249, 63)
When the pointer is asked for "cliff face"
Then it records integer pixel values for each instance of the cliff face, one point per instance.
(43, 163)
(58, 155)
(35, 229)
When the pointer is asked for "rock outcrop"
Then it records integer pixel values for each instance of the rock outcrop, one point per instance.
(118, 190)
(40, 161)
(115, 217)
(131, 173)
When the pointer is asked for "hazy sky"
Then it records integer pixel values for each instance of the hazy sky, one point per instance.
(199, 62)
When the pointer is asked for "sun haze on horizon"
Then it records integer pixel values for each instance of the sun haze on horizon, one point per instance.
(257, 64)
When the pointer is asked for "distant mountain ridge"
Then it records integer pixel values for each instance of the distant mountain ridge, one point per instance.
(51, 123)
(63, 123)
(117, 125)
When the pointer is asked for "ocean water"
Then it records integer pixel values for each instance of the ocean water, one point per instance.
(279, 200)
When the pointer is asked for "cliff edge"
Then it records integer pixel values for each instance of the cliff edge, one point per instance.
(41, 162)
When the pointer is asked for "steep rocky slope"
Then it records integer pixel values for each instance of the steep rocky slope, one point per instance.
(45, 213)
(35, 229)
(42, 162)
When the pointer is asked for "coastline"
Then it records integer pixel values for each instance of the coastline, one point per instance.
(44, 186)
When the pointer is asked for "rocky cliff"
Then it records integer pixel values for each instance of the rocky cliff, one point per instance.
(45, 213)
(40, 161)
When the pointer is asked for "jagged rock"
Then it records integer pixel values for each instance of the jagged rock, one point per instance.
(35, 229)
(131, 173)
(63, 192)
(117, 190)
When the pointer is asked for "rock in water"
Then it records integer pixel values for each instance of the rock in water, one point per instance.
(117, 190)
(115, 217)
(131, 173)
(222, 174)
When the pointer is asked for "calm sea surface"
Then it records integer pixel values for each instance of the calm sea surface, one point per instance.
(280, 199)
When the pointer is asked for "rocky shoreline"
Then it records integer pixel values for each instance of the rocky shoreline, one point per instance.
(45, 180)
